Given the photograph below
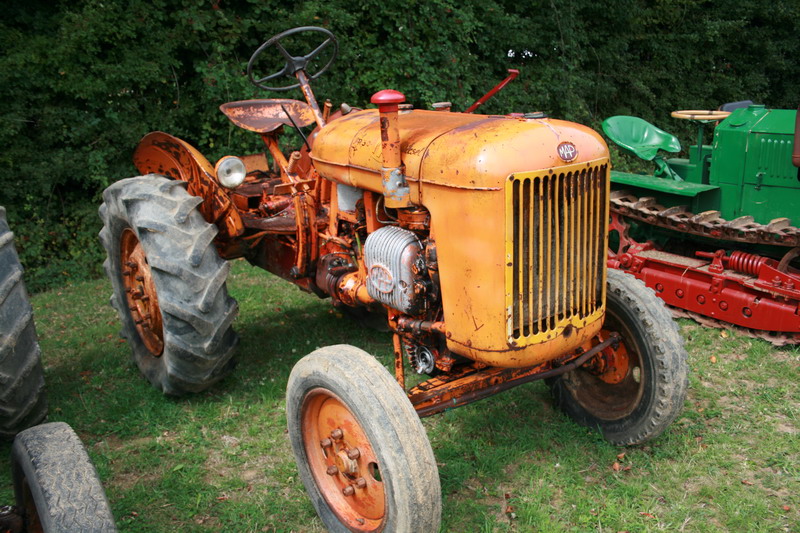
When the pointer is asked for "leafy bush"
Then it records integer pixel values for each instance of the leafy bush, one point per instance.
(82, 82)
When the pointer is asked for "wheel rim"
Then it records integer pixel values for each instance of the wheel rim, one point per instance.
(140, 292)
(342, 461)
(611, 385)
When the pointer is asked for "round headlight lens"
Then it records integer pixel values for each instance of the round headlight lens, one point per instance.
(230, 171)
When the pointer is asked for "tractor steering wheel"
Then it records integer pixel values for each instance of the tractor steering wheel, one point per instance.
(293, 64)
(701, 115)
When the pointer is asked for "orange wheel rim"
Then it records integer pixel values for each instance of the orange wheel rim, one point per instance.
(611, 384)
(140, 292)
(342, 461)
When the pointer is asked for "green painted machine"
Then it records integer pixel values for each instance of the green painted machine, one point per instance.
(715, 234)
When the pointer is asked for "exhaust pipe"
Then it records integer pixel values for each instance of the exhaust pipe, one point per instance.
(395, 188)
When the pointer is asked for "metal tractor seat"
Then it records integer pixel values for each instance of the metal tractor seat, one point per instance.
(640, 138)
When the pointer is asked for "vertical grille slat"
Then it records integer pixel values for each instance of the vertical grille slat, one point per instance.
(558, 230)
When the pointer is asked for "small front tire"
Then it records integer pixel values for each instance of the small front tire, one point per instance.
(643, 389)
(360, 447)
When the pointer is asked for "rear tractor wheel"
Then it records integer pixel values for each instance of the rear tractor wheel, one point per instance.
(631, 393)
(360, 447)
(168, 283)
(23, 402)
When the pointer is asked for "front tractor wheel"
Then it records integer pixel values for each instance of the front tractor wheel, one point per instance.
(360, 447)
(633, 391)
(168, 283)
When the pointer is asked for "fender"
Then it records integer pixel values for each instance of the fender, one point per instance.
(161, 153)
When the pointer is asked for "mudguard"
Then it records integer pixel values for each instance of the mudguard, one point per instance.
(161, 153)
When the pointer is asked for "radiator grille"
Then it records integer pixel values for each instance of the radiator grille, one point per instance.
(558, 224)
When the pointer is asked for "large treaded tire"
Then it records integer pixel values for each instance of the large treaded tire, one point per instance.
(55, 483)
(635, 410)
(23, 402)
(189, 278)
(344, 387)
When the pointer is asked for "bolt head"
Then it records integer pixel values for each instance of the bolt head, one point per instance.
(348, 490)
(332, 470)
(337, 434)
(361, 483)
(354, 453)
(325, 443)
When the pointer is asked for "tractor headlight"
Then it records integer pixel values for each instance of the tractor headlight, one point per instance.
(230, 171)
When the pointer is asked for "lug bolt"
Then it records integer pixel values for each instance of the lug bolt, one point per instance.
(332, 470)
(337, 434)
(348, 490)
(325, 443)
(353, 453)
(361, 483)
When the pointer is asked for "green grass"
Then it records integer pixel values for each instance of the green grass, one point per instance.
(221, 460)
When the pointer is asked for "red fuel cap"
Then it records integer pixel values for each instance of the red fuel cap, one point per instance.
(387, 100)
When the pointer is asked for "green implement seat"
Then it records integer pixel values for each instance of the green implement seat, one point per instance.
(639, 137)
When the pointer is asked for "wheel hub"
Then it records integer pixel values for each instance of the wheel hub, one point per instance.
(140, 292)
(610, 365)
(343, 461)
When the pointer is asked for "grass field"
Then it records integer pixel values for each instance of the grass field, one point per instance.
(221, 460)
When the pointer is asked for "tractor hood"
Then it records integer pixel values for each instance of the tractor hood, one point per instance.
(450, 149)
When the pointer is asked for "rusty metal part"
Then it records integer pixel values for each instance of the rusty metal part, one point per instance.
(415, 219)
(611, 365)
(265, 116)
(601, 394)
(415, 326)
(474, 382)
(399, 372)
(707, 224)
(11, 520)
(140, 292)
(512, 73)
(309, 94)
(395, 188)
(160, 153)
(350, 485)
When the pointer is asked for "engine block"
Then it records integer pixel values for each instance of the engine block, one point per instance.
(390, 254)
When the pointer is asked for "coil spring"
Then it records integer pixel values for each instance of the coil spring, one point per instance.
(746, 263)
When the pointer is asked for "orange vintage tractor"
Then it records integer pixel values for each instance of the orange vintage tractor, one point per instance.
(482, 238)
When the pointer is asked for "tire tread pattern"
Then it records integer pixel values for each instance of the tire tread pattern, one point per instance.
(190, 276)
(23, 402)
(62, 479)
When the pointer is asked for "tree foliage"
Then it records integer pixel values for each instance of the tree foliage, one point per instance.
(82, 82)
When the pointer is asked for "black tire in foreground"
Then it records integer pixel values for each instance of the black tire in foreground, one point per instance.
(640, 404)
(55, 483)
(168, 283)
(360, 447)
(23, 402)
